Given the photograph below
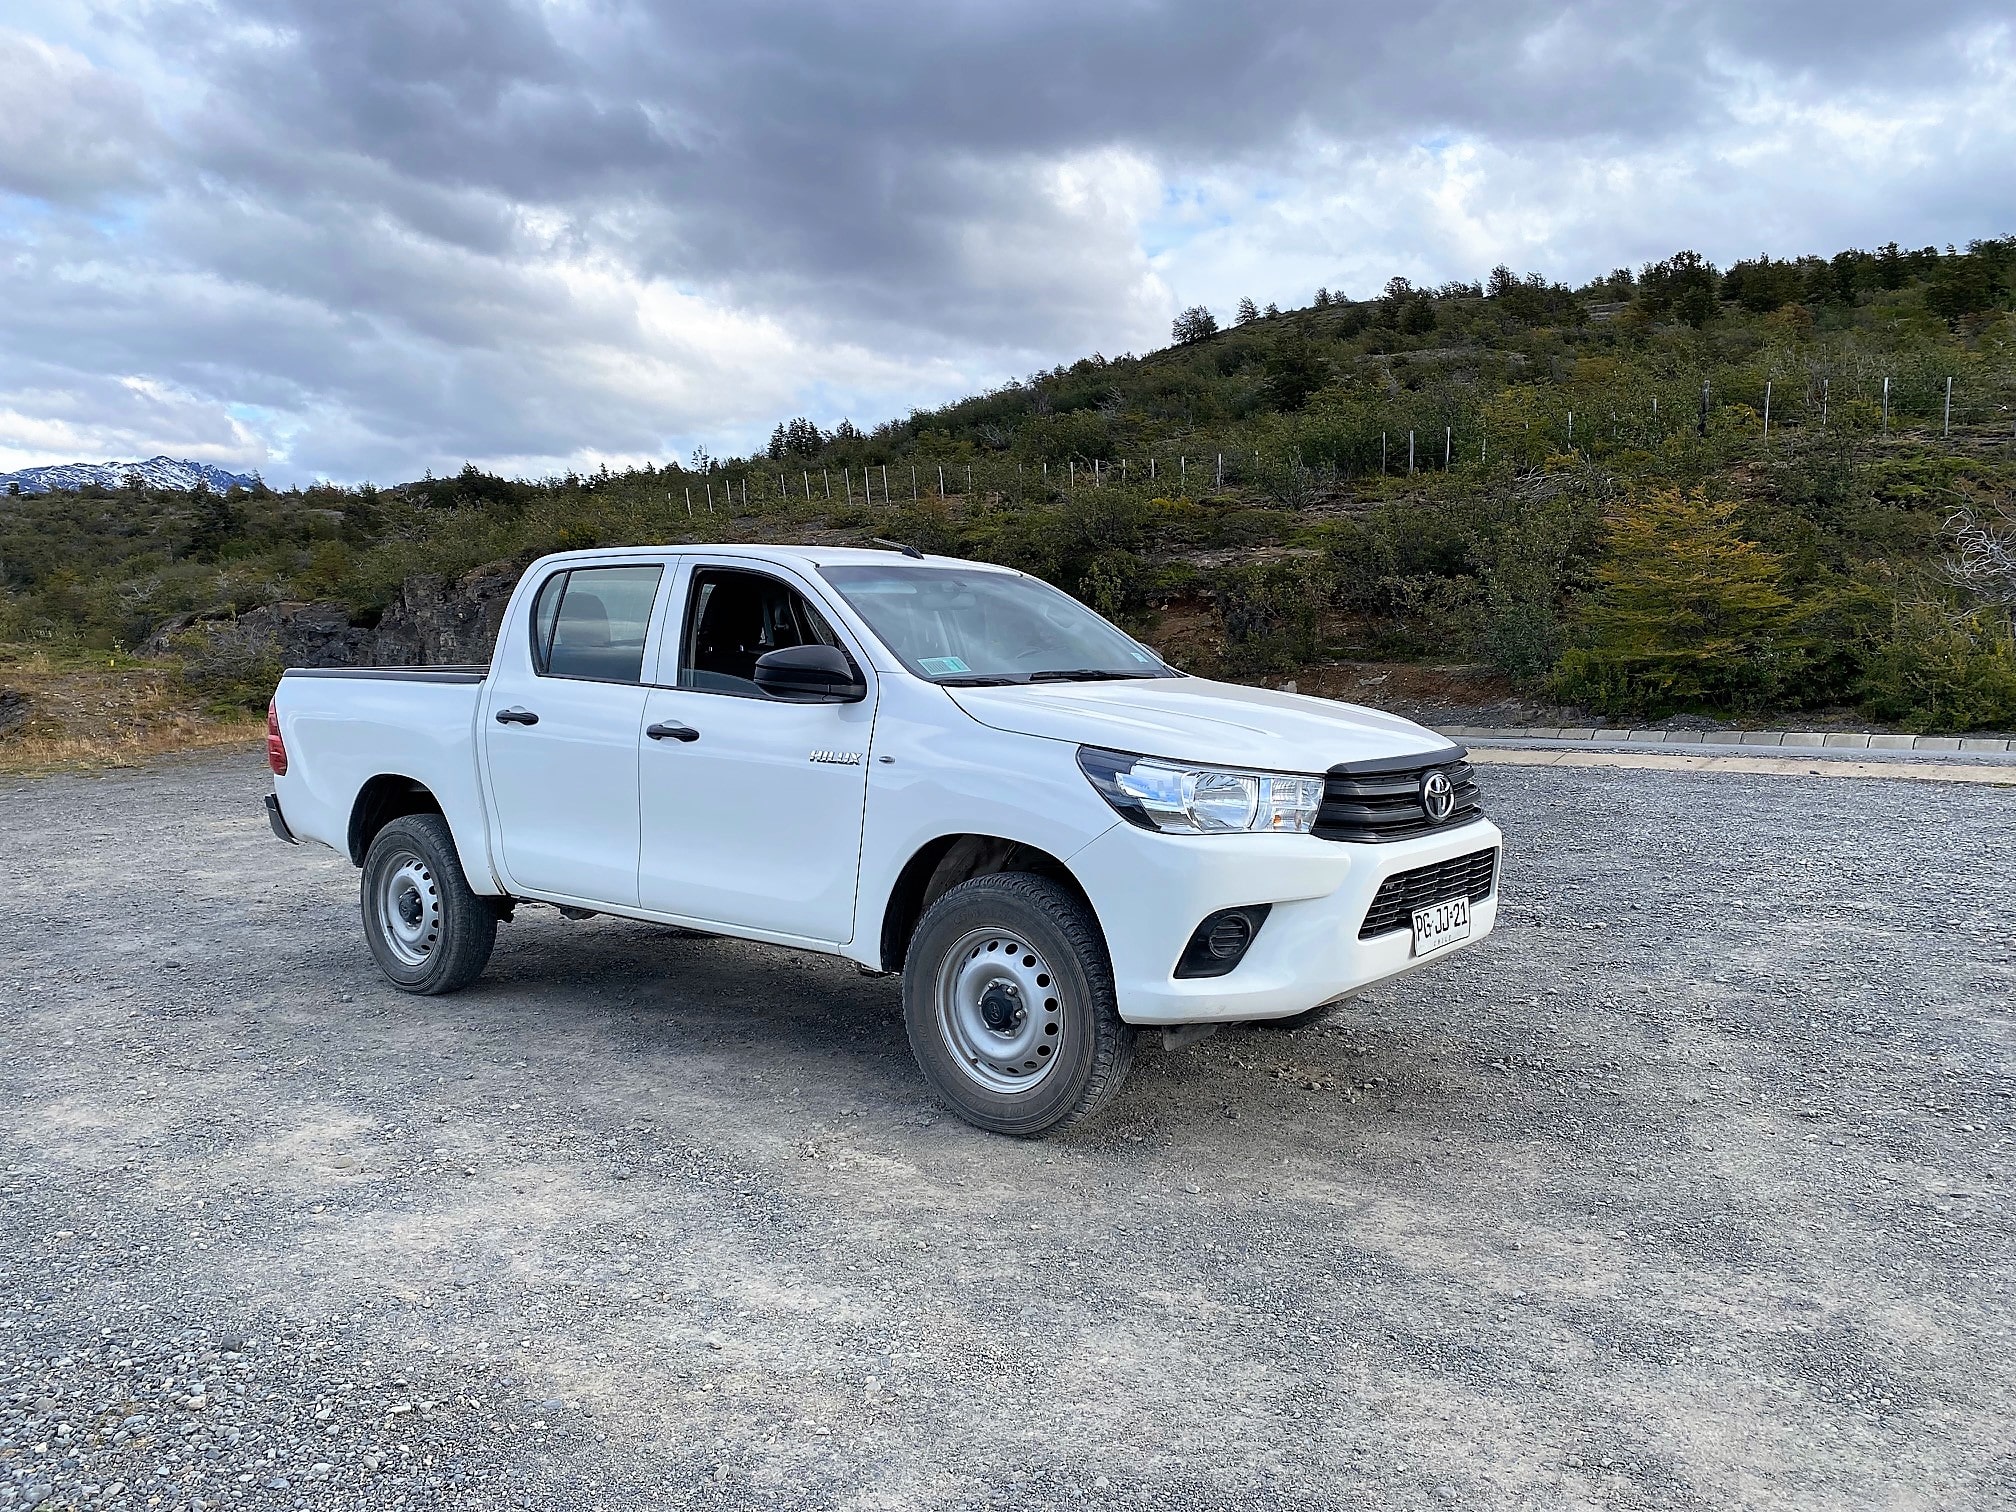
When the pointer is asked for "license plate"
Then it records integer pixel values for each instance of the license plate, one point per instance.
(1442, 924)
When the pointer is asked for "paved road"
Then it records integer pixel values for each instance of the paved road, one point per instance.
(1689, 1188)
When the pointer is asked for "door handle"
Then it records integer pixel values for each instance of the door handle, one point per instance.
(517, 716)
(670, 731)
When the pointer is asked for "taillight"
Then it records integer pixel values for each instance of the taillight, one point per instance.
(276, 748)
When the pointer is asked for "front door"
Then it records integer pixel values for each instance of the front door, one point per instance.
(751, 805)
(561, 732)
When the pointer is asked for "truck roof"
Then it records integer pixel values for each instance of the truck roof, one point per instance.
(808, 556)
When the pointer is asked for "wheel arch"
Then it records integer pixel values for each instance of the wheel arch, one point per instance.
(941, 864)
(388, 796)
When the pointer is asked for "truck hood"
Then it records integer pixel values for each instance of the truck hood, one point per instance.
(1195, 719)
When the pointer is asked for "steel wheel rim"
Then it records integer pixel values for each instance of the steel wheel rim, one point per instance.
(409, 909)
(1000, 1010)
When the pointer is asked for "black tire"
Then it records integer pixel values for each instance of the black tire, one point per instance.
(1078, 1048)
(445, 933)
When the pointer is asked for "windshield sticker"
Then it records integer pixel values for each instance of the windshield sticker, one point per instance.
(940, 666)
(1140, 656)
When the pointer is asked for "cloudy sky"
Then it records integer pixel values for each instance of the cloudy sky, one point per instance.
(354, 239)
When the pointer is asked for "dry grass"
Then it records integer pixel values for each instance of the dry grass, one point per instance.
(87, 714)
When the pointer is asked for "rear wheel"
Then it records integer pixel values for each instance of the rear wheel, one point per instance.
(1008, 999)
(427, 930)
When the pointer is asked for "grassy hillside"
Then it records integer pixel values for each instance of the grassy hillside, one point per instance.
(1578, 518)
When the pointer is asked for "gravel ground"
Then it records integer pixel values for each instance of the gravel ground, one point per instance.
(1689, 1188)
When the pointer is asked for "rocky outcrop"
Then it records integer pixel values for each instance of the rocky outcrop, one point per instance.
(305, 634)
(13, 710)
(434, 622)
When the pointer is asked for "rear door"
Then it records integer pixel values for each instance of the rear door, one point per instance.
(562, 727)
(751, 805)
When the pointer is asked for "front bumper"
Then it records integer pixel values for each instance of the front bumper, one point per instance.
(1150, 890)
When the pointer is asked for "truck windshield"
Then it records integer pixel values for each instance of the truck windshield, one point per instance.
(960, 626)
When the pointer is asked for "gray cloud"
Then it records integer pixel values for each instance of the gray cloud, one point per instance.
(69, 133)
(392, 233)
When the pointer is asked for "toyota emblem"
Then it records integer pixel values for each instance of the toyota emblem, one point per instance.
(1438, 798)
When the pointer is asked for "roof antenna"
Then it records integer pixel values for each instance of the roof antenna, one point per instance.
(909, 551)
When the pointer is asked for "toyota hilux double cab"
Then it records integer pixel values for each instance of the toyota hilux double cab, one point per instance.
(932, 767)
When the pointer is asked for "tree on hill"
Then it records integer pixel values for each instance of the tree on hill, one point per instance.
(1683, 287)
(1194, 325)
(1687, 612)
(796, 438)
(1248, 312)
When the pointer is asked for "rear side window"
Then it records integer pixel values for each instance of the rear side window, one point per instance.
(591, 622)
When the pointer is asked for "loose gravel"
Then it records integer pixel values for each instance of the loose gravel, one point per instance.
(1689, 1188)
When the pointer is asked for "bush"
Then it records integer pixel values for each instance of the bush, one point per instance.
(1272, 613)
(1944, 671)
(228, 665)
(1688, 614)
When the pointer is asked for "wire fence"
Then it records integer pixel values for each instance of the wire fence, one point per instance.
(1402, 440)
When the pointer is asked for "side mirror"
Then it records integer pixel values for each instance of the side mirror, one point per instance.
(810, 674)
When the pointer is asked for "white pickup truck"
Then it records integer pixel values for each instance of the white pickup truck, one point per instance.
(928, 766)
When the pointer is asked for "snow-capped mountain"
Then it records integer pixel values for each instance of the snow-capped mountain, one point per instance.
(156, 472)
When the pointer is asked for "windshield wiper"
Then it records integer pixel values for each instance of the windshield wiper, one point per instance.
(1085, 674)
(977, 680)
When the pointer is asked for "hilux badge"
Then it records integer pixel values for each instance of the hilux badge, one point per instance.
(1437, 796)
(838, 758)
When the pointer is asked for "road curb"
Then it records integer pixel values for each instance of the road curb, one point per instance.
(1833, 740)
(1991, 774)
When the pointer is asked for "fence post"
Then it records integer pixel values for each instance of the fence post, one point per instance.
(1072, 464)
(1886, 406)
(885, 482)
(1382, 454)
(913, 483)
(806, 474)
(1123, 472)
(689, 501)
(1095, 472)
(1151, 469)
(1448, 446)
(1823, 405)
(1221, 469)
(847, 482)
(969, 480)
(1767, 409)
(745, 490)
(1946, 425)
(1410, 454)
(710, 496)
(1182, 475)
(1701, 427)
(941, 485)
(1571, 430)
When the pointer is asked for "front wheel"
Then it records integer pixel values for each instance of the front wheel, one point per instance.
(428, 931)
(1008, 1000)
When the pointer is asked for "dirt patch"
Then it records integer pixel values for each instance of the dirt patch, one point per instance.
(58, 713)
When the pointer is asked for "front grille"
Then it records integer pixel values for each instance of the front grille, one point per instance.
(1377, 801)
(1400, 894)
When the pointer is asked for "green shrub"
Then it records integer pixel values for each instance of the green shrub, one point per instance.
(1942, 670)
(228, 665)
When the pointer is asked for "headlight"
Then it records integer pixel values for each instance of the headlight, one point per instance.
(1180, 799)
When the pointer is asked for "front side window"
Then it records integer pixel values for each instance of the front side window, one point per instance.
(958, 625)
(734, 617)
(590, 622)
